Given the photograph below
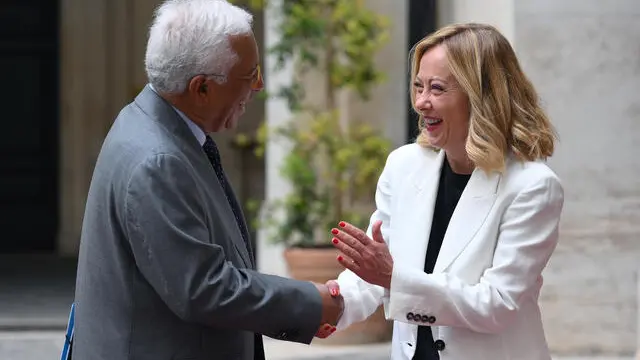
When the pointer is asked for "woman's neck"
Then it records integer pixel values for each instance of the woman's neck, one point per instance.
(459, 163)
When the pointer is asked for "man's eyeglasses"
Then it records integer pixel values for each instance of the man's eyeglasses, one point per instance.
(256, 78)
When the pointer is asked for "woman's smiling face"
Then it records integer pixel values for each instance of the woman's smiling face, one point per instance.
(441, 102)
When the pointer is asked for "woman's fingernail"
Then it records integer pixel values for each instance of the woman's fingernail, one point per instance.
(340, 258)
(334, 231)
(335, 241)
(342, 224)
(328, 327)
(334, 292)
(334, 329)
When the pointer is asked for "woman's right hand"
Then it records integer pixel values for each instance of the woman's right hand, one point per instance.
(327, 330)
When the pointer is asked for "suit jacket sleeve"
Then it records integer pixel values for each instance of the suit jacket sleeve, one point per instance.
(527, 237)
(169, 238)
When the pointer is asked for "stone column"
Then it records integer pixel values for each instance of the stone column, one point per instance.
(95, 84)
(277, 113)
(141, 14)
(82, 92)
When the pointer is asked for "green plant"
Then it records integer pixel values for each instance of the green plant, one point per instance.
(334, 163)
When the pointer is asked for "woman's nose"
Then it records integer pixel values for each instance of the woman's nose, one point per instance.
(423, 102)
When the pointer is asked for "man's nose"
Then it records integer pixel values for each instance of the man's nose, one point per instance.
(259, 84)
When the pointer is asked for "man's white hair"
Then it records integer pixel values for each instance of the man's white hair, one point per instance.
(191, 37)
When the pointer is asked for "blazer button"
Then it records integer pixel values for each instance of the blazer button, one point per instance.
(432, 319)
(439, 345)
(424, 318)
(410, 316)
(283, 335)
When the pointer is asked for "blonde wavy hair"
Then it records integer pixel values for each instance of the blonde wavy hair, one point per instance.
(505, 116)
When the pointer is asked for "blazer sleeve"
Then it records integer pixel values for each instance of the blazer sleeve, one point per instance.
(169, 239)
(527, 237)
(361, 299)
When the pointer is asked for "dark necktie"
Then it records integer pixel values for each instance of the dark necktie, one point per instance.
(211, 149)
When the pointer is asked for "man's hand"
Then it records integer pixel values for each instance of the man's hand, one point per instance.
(332, 307)
(326, 329)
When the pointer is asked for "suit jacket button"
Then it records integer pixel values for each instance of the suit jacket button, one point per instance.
(424, 318)
(431, 319)
(283, 335)
(439, 345)
(410, 316)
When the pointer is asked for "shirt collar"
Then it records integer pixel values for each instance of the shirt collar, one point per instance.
(195, 129)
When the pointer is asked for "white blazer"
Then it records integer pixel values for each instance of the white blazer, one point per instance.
(482, 298)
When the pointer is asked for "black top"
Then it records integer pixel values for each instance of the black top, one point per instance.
(450, 189)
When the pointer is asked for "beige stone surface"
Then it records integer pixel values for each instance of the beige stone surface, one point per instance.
(583, 58)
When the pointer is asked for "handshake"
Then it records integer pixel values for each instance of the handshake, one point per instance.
(332, 308)
(368, 258)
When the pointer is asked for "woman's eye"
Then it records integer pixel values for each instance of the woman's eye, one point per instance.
(436, 87)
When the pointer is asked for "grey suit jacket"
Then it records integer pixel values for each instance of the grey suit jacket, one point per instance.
(163, 271)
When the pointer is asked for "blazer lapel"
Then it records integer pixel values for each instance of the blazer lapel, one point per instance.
(470, 213)
(161, 111)
(414, 225)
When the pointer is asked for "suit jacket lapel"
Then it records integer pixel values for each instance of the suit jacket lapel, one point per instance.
(161, 111)
(414, 225)
(470, 213)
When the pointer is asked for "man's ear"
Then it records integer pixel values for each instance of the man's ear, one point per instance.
(198, 85)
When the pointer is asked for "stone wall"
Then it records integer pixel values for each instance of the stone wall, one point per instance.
(584, 58)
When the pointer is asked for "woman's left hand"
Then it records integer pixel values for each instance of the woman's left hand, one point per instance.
(368, 258)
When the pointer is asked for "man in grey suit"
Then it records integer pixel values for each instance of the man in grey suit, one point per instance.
(166, 269)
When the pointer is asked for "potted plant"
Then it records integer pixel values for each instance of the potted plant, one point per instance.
(335, 161)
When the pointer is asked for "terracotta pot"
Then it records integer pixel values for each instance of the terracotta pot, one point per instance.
(313, 264)
(319, 265)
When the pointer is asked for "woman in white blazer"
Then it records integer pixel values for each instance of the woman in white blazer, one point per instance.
(467, 217)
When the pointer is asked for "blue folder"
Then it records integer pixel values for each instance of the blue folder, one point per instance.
(68, 337)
